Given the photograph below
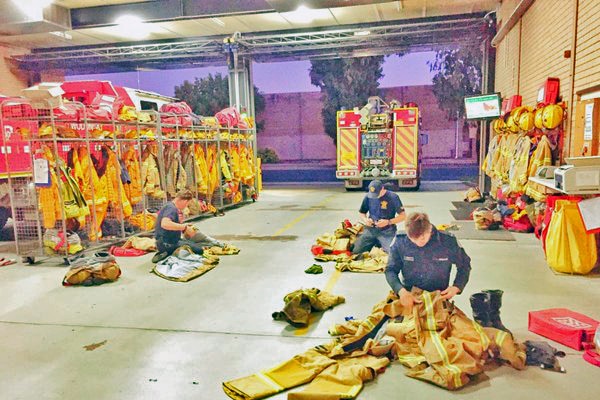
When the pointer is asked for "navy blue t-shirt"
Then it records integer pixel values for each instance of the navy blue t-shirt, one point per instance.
(163, 235)
(384, 207)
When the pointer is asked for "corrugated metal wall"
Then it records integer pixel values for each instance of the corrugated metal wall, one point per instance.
(546, 32)
(507, 63)
(587, 67)
(534, 50)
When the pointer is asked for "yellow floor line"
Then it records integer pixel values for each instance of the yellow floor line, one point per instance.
(336, 274)
(303, 215)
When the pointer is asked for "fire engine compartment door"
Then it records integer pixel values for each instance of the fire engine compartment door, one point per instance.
(406, 138)
(347, 148)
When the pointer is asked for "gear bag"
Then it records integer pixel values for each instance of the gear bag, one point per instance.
(95, 270)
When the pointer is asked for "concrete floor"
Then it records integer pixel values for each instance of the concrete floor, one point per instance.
(157, 339)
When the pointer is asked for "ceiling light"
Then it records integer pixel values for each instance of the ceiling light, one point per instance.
(217, 21)
(63, 35)
(304, 15)
(132, 26)
(34, 9)
(362, 33)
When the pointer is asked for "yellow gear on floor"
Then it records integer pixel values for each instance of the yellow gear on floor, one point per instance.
(435, 340)
(373, 261)
(300, 303)
(140, 243)
(226, 250)
(133, 191)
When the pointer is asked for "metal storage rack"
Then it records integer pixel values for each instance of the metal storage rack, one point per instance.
(56, 134)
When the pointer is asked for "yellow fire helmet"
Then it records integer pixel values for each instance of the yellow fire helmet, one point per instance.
(499, 126)
(526, 121)
(537, 119)
(511, 124)
(517, 112)
(552, 116)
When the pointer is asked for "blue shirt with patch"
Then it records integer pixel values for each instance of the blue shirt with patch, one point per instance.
(163, 235)
(384, 207)
(427, 267)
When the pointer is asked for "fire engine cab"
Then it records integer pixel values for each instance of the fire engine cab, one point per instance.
(379, 141)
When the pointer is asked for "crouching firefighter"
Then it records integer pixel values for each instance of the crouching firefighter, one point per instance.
(424, 256)
(169, 229)
(380, 211)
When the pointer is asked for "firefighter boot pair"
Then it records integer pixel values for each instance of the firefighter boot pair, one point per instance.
(486, 309)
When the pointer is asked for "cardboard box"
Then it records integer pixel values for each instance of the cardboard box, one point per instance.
(45, 95)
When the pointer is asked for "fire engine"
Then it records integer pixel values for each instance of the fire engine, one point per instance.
(379, 141)
(18, 120)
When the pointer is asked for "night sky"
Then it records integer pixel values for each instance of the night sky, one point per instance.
(280, 77)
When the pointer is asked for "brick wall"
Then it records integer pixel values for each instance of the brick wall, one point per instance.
(294, 128)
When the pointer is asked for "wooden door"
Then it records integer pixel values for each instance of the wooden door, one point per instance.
(586, 136)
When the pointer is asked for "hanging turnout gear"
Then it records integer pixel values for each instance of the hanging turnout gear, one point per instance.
(151, 183)
(133, 190)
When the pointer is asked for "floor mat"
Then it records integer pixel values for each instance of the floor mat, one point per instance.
(464, 204)
(461, 214)
(468, 231)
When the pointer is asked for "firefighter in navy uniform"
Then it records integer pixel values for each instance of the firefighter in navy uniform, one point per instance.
(424, 256)
(380, 211)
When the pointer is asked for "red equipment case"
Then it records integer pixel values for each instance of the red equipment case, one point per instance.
(563, 326)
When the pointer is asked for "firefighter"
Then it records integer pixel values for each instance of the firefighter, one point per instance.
(169, 229)
(425, 256)
(380, 211)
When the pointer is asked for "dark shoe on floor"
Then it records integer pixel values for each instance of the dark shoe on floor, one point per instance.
(158, 257)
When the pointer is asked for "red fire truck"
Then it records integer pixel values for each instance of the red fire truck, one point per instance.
(379, 141)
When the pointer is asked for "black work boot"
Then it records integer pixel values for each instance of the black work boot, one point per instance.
(480, 303)
(495, 304)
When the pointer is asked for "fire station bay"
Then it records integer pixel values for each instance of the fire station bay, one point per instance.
(303, 199)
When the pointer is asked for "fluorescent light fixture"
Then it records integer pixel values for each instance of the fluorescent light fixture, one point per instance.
(305, 15)
(362, 33)
(132, 26)
(217, 21)
(63, 35)
(34, 9)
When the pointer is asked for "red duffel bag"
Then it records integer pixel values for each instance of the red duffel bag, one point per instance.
(563, 326)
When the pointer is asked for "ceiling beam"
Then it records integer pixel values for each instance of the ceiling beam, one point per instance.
(164, 10)
(383, 38)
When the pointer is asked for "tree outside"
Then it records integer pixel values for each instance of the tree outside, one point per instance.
(209, 95)
(345, 83)
(458, 74)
